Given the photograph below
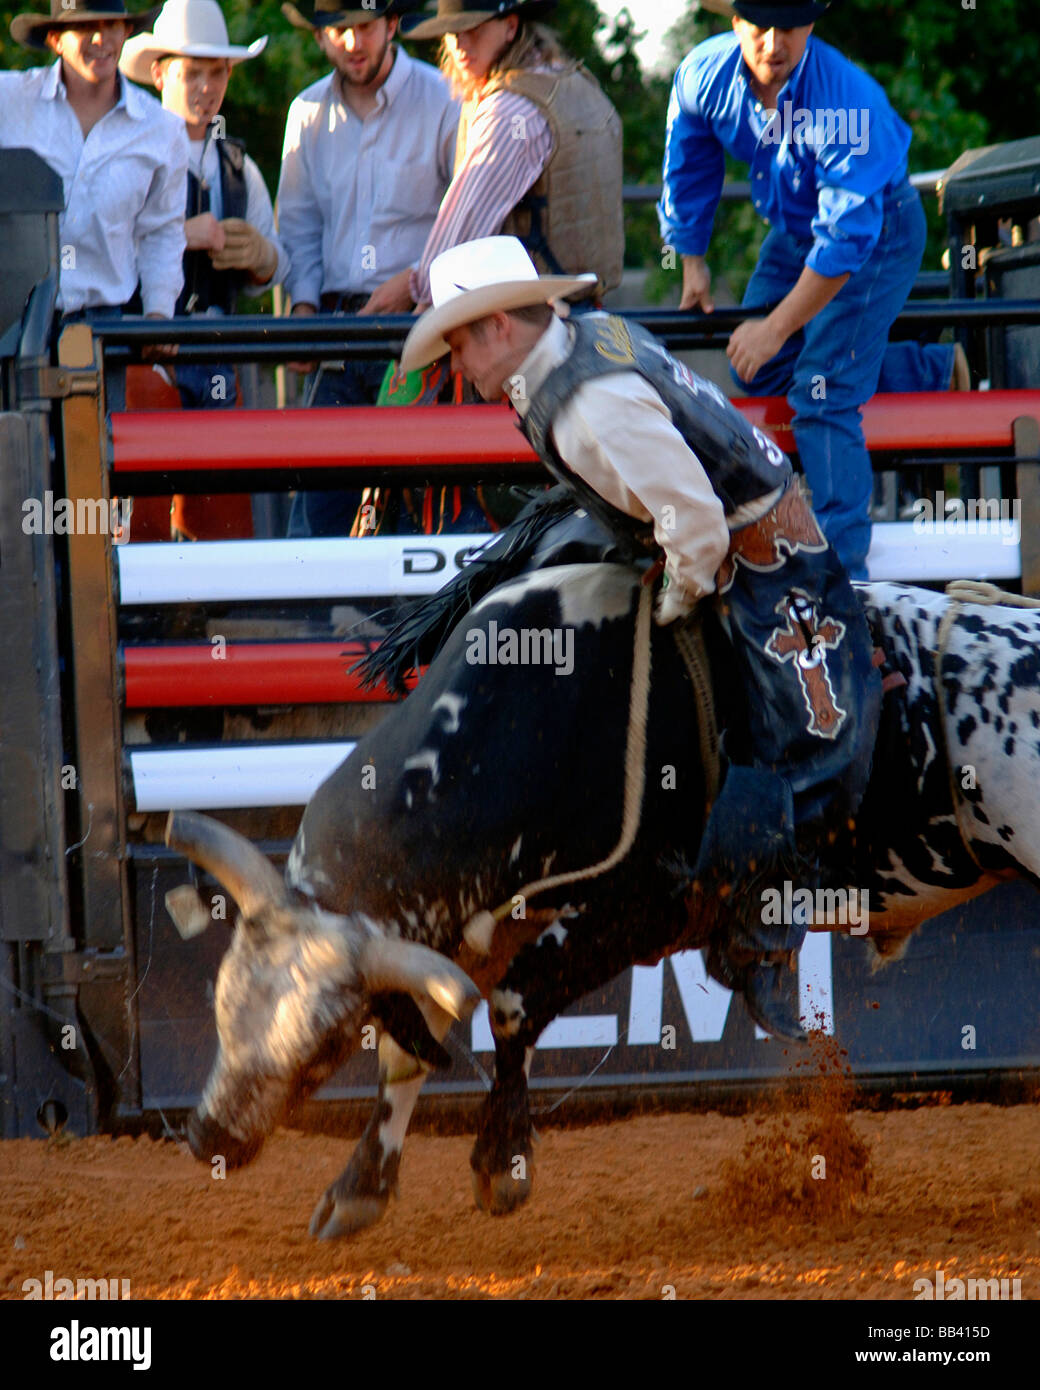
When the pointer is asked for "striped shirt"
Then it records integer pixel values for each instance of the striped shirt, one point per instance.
(124, 189)
(508, 145)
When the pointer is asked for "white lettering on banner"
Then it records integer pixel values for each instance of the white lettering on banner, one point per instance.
(590, 1030)
(705, 1003)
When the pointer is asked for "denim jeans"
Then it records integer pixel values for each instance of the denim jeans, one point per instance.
(834, 364)
(206, 386)
(332, 513)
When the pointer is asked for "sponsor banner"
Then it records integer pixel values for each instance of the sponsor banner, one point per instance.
(963, 999)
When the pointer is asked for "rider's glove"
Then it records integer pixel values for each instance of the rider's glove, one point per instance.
(673, 599)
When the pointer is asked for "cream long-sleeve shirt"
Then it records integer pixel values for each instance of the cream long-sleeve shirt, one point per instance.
(617, 434)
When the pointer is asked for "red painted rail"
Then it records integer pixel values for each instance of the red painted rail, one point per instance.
(247, 673)
(471, 436)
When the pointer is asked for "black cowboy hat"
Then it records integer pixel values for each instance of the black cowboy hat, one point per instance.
(30, 29)
(456, 16)
(328, 14)
(779, 14)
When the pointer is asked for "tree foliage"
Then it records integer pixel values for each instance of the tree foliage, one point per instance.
(951, 68)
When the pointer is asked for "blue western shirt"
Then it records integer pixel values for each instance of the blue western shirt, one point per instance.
(821, 164)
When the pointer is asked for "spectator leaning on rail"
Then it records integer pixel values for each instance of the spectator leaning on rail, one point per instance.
(828, 159)
(539, 146)
(229, 222)
(121, 158)
(538, 155)
(650, 448)
(367, 156)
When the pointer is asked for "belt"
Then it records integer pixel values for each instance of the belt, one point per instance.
(343, 302)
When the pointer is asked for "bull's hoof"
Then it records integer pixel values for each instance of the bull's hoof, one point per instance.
(335, 1217)
(498, 1194)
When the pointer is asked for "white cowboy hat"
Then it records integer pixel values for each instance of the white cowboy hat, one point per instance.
(185, 29)
(476, 279)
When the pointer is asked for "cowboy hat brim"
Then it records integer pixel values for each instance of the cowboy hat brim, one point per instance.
(322, 19)
(792, 16)
(437, 25)
(425, 343)
(140, 53)
(30, 29)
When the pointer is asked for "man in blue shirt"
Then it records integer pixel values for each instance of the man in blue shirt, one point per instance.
(828, 159)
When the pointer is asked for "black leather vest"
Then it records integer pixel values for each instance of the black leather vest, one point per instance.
(205, 287)
(741, 462)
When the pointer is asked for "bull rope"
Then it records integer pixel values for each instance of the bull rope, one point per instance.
(478, 930)
(959, 592)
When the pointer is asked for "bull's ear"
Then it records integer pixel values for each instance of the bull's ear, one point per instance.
(411, 1029)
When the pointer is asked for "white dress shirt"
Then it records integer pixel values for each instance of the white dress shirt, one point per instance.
(259, 212)
(617, 434)
(124, 189)
(357, 198)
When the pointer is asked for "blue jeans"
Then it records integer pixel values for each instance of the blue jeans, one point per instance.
(206, 386)
(834, 364)
(332, 513)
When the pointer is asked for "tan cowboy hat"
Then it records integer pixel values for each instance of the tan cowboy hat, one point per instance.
(184, 29)
(476, 279)
(456, 16)
(30, 30)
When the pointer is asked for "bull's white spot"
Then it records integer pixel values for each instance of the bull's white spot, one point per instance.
(294, 872)
(514, 853)
(452, 705)
(588, 594)
(479, 932)
(425, 760)
(507, 1012)
(558, 932)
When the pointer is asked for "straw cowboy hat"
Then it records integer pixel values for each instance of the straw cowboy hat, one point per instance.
(476, 279)
(30, 30)
(184, 29)
(330, 14)
(456, 16)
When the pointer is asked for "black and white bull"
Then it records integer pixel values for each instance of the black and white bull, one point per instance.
(495, 776)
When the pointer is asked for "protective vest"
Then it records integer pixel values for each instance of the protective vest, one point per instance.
(741, 462)
(572, 219)
(205, 287)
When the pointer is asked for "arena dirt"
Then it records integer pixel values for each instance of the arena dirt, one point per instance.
(705, 1205)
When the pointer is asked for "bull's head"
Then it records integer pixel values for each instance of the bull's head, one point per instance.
(293, 992)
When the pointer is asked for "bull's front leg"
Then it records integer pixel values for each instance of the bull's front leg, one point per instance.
(359, 1196)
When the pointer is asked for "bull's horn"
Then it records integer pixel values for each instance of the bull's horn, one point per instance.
(391, 964)
(252, 880)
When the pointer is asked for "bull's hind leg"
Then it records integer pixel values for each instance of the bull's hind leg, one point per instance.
(501, 1159)
(359, 1196)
